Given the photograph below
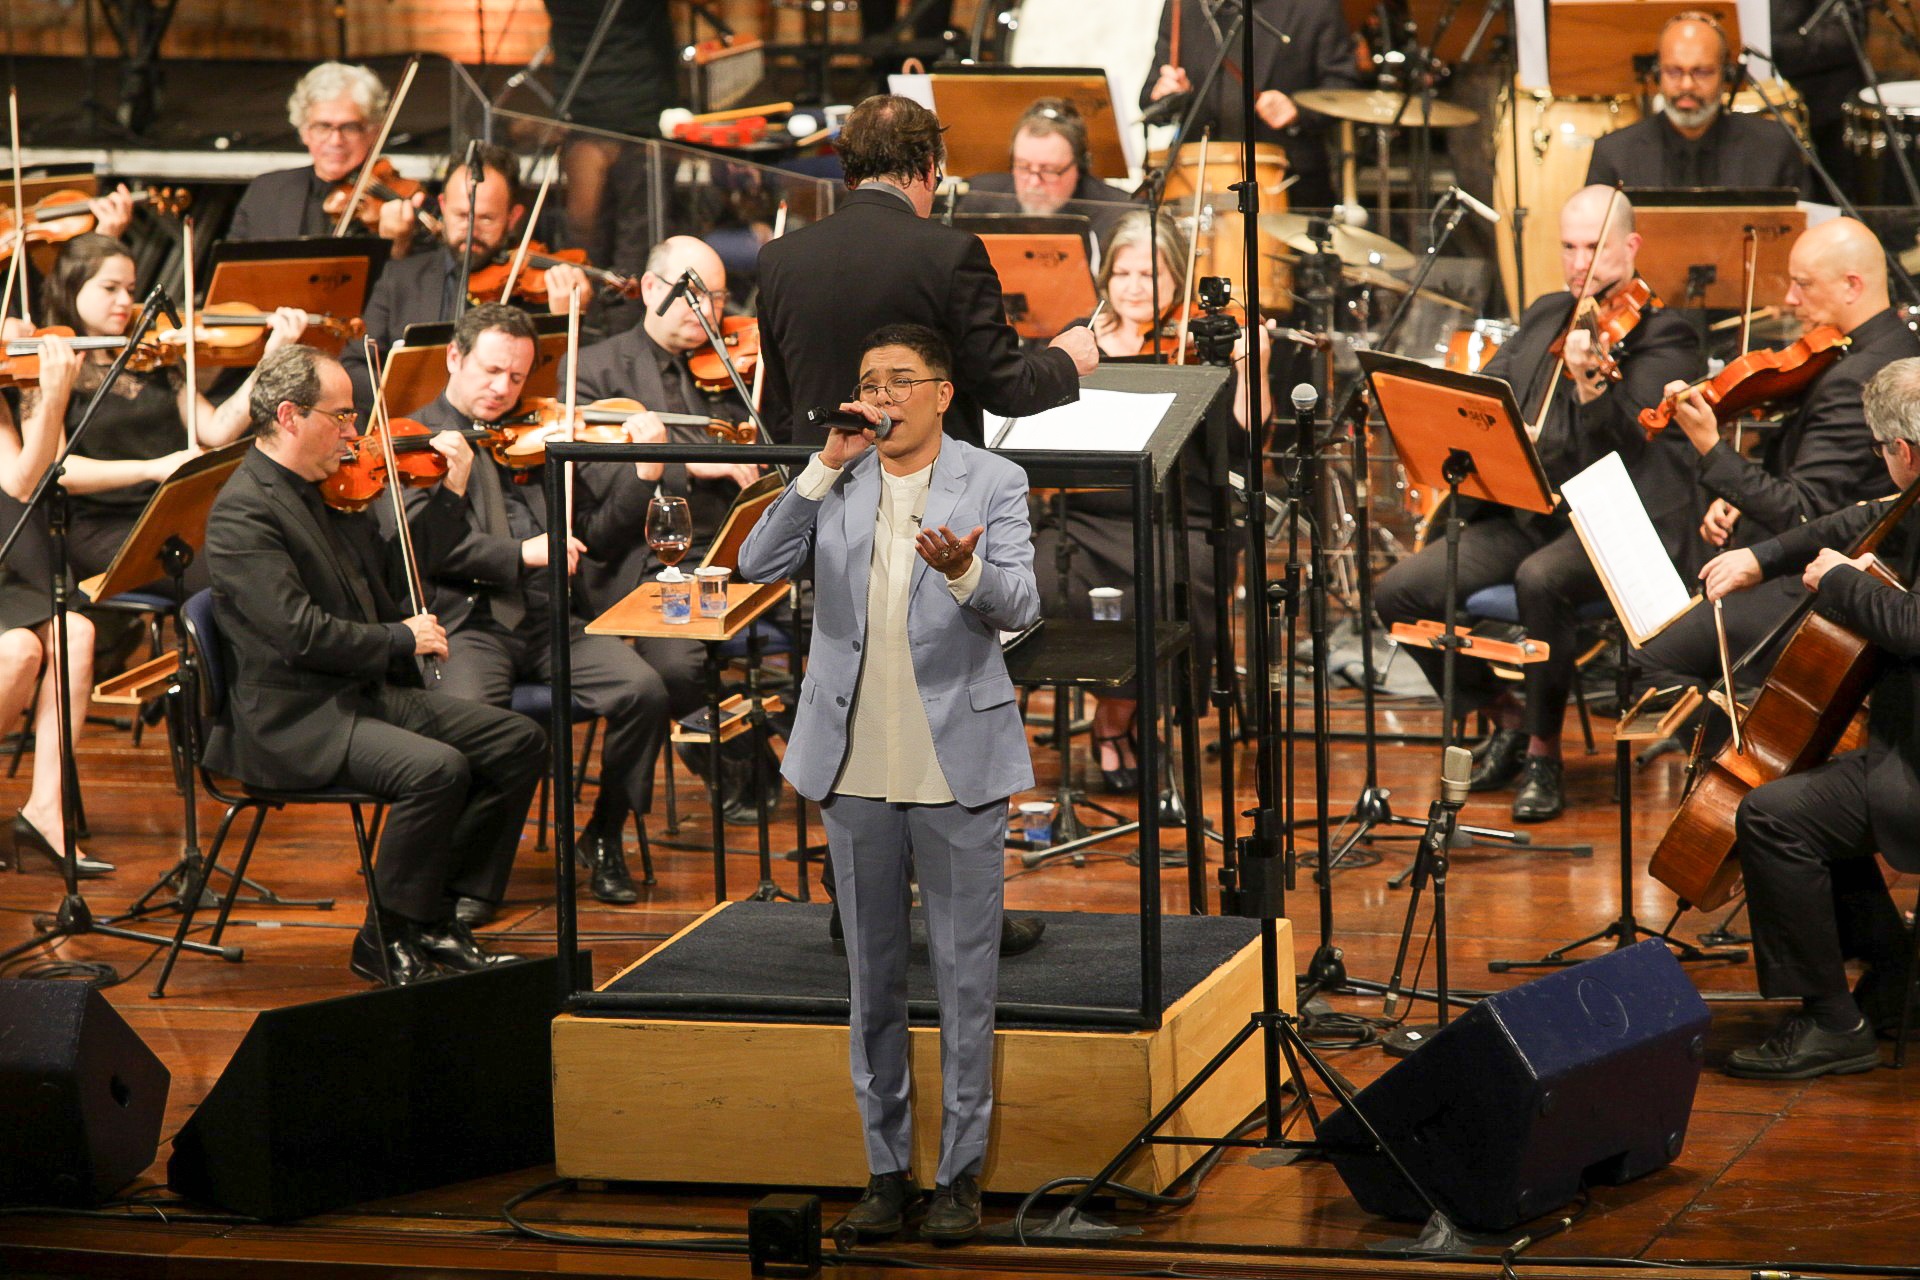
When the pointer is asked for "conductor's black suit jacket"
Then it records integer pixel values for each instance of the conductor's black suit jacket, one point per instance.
(1890, 619)
(310, 634)
(825, 287)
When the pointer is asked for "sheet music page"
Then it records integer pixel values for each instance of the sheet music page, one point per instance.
(1119, 421)
(1624, 546)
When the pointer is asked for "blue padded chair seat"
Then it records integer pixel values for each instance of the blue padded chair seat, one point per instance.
(1502, 604)
(536, 700)
(135, 602)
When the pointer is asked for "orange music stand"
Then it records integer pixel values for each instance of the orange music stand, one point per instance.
(1696, 257)
(417, 364)
(1591, 43)
(319, 274)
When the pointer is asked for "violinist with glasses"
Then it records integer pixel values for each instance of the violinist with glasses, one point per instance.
(1561, 364)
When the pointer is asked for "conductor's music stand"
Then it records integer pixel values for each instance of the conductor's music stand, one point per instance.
(168, 535)
(1046, 279)
(1463, 431)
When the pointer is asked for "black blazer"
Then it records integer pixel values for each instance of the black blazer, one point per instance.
(1823, 458)
(410, 291)
(306, 656)
(1662, 348)
(625, 365)
(1889, 618)
(1316, 53)
(1744, 151)
(280, 206)
(825, 287)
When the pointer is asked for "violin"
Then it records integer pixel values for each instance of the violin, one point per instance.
(234, 334)
(1758, 378)
(62, 215)
(384, 183)
(21, 367)
(363, 477)
(740, 335)
(486, 283)
(520, 440)
(1608, 321)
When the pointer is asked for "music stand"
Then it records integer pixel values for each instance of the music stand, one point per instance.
(417, 364)
(1695, 256)
(168, 535)
(991, 100)
(1591, 43)
(319, 274)
(1046, 280)
(1463, 431)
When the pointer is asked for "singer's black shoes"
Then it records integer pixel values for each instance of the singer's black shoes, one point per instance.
(954, 1214)
(1539, 797)
(1506, 752)
(883, 1210)
(1801, 1049)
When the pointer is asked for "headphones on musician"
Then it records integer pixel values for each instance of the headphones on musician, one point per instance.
(1058, 116)
(1731, 68)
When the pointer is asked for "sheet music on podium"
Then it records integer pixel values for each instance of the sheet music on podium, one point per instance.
(1645, 588)
(1121, 421)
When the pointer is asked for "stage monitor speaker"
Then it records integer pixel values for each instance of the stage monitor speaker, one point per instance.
(1583, 1076)
(379, 1094)
(81, 1096)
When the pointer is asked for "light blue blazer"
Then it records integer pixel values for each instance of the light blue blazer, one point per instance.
(957, 661)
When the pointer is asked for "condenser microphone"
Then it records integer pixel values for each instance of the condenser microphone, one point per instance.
(679, 288)
(1474, 203)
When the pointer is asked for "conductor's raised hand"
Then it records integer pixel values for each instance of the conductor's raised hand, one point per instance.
(429, 637)
(950, 555)
(1728, 572)
(843, 447)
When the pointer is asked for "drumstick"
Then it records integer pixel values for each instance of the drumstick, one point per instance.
(1173, 32)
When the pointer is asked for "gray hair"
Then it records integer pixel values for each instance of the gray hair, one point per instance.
(1134, 229)
(332, 80)
(291, 374)
(1892, 401)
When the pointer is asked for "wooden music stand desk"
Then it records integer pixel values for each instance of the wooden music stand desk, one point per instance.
(1433, 414)
(984, 103)
(1591, 43)
(1046, 279)
(318, 274)
(417, 364)
(177, 509)
(1695, 257)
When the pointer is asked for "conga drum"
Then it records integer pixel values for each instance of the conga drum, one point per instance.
(1870, 123)
(1214, 218)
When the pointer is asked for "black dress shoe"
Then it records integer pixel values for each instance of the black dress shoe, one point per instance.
(1801, 1049)
(883, 1209)
(1506, 753)
(955, 1212)
(405, 961)
(1879, 994)
(451, 945)
(473, 912)
(604, 856)
(1539, 799)
(27, 839)
(1020, 935)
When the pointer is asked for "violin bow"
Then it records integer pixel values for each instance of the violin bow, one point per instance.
(1751, 265)
(14, 272)
(1560, 365)
(190, 329)
(1732, 707)
(379, 145)
(526, 236)
(760, 366)
(1193, 250)
(409, 562)
(1173, 35)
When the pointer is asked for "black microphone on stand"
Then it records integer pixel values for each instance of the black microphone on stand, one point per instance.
(679, 287)
(476, 172)
(163, 300)
(1166, 110)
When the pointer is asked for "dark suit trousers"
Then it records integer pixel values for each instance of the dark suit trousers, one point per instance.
(609, 680)
(1814, 891)
(1689, 650)
(1551, 579)
(458, 779)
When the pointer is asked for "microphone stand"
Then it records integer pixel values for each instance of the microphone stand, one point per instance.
(695, 284)
(73, 917)
(466, 257)
(1895, 143)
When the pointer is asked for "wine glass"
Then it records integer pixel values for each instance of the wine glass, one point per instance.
(669, 528)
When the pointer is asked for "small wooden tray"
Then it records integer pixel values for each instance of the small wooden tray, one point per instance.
(137, 686)
(733, 719)
(1428, 635)
(639, 613)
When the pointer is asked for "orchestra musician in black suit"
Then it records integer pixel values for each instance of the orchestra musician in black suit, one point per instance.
(1821, 460)
(1806, 841)
(878, 260)
(1297, 44)
(336, 109)
(1540, 555)
(325, 689)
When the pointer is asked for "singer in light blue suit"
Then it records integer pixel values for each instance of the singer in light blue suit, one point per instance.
(908, 735)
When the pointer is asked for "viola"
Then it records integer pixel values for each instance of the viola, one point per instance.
(1608, 321)
(485, 284)
(740, 335)
(384, 183)
(234, 334)
(1758, 378)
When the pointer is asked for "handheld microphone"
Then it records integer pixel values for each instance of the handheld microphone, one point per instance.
(827, 418)
(679, 288)
(1477, 205)
(1166, 110)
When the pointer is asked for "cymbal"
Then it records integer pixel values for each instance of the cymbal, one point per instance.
(1378, 106)
(1374, 278)
(1355, 246)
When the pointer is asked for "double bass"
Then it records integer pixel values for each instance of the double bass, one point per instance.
(1803, 712)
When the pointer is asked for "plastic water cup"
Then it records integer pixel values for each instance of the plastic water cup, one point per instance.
(713, 590)
(1107, 602)
(676, 597)
(1036, 823)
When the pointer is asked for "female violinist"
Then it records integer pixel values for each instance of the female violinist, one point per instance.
(1577, 414)
(1098, 525)
(139, 436)
(26, 626)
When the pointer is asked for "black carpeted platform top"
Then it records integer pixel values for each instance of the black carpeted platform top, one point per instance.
(769, 951)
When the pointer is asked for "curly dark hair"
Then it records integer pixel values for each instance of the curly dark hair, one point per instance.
(888, 136)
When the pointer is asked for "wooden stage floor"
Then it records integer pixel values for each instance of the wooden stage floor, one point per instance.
(1788, 1174)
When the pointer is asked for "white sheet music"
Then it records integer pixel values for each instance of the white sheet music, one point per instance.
(1120, 421)
(1625, 549)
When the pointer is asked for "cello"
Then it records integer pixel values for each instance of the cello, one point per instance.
(1801, 715)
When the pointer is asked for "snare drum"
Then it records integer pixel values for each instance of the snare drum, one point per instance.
(1868, 123)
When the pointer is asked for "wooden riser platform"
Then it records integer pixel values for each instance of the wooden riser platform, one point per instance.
(653, 1099)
